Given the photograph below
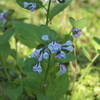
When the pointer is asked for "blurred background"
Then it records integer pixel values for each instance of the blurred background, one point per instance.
(87, 87)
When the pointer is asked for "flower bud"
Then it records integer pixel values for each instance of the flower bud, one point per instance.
(69, 48)
(63, 69)
(76, 32)
(67, 43)
(46, 55)
(45, 37)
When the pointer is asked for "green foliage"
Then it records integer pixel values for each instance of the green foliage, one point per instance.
(56, 89)
(97, 44)
(14, 92)
(18, 81)
(58, 8)
(30, 35)
(81, 23)
(97, 40)
(7, 35)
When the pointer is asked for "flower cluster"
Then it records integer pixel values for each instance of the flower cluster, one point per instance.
(76, 32)
(30, 6)
(52, 48)
(3, 17)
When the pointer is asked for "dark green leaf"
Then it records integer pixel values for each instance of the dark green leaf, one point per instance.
(30, 35)
(14, 93)
(56, 89)
(72, 21)
(97, 40)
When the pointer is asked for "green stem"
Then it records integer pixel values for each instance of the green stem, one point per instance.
(74, 65)
(17, 67)
(47, 70)
(47, 21)
(31, 17)
(47, 17)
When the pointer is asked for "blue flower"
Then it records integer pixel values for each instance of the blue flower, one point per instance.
(36, 53)
(69, 48)
(45, 37)
(76, 32)
(3, 17)
(31, 6)
(54, 47)
(61, 55)
(67, 43)
(37, 68)
(40, 57)
(26, 4)
(62, 70)
(46, 54)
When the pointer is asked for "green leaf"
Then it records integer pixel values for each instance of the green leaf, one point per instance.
(97, 40)
(56, 89)
(4, 48)
(27, 67)
(7, 35)
(96, 43)
(58, 8)
(30, 35)
(81, 23)
(86, 53)
(38, 3)
(14, 92)
(33, 83)
(72, 20)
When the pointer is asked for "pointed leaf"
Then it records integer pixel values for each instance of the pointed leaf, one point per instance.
(58, 8)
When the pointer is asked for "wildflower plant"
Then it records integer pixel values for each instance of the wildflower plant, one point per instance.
(43, 75)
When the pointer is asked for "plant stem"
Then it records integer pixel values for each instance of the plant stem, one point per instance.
(74, 65)
(47, 70)
(75, 54)
(47, 21)
(47, 17)
(17, 67)
(31, 17)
